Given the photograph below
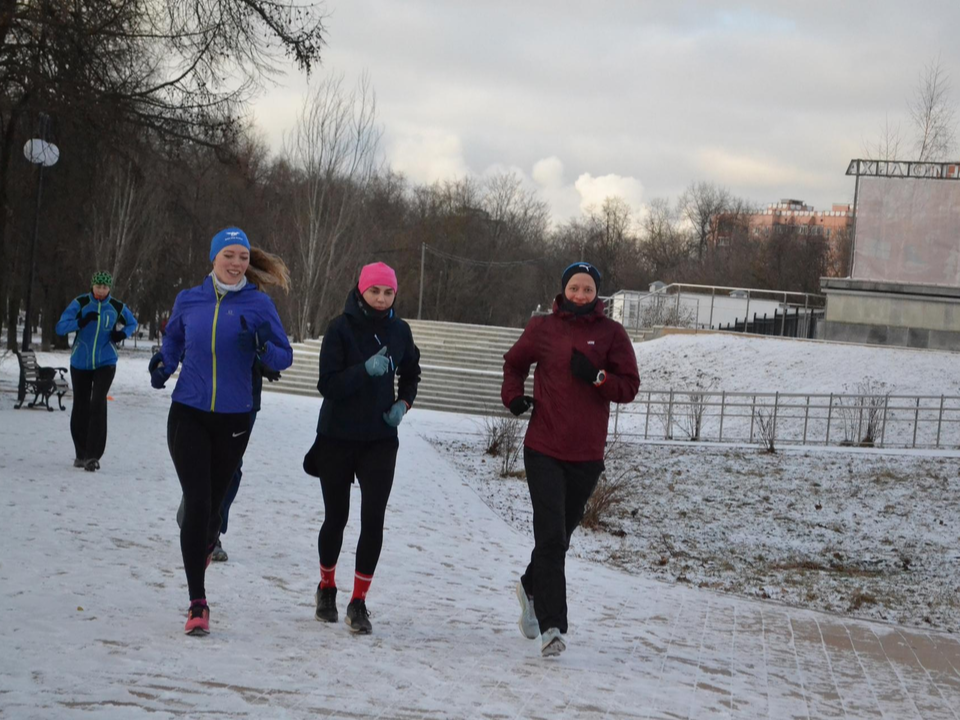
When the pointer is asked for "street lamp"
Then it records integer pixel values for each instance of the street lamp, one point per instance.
(43, 154)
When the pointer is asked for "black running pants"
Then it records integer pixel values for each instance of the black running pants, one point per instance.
(88, 419)
(559, 492)
(206, 448)
(373, 464)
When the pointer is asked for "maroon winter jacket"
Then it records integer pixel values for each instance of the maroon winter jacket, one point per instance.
(570, 416)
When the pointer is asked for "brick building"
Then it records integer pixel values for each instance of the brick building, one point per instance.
(786, 216)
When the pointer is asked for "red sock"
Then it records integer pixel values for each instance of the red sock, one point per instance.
(361, 584)
(328, 577)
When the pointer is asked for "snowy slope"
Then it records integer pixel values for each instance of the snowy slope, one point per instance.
(92, 597)
(757, 364)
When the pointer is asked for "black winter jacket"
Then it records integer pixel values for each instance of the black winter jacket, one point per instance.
(353, 402)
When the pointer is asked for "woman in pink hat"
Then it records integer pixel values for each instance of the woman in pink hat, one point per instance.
(362, 350)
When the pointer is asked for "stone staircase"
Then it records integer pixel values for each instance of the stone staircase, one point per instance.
(461, 367)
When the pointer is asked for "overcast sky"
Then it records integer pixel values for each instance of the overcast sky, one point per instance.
(588, 99)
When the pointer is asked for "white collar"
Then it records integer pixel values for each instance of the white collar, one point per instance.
(223, 288)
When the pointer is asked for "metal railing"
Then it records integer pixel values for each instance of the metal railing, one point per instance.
(892, 421)
(700, 306)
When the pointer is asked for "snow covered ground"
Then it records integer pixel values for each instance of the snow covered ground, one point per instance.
(92, 593)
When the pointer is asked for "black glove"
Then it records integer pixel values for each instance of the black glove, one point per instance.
(158, 373)
(271, 375)
(117, 336)
(84, 320)
(582, 368)
(520, 404)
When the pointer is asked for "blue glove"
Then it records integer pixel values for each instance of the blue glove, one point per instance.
(158, 373)
(395, 414)
(377, 365)
(247, 339)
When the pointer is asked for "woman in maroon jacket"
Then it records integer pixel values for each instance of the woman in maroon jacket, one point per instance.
(584, 361)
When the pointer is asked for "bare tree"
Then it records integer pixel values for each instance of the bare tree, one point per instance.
(933, 114)
(888, 142)
(334, 146)
(699, 205)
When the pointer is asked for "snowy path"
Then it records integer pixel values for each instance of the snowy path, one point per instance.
(445, 642)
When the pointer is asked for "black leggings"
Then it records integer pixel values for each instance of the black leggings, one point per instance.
(373, 464)
(559, 492)
(206, 448)
(88, 419)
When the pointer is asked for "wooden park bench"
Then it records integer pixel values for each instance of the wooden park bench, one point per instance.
(43, 382)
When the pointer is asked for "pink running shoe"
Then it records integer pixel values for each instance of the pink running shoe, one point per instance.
(198, 619)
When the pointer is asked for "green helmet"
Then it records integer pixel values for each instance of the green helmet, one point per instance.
(102, 278)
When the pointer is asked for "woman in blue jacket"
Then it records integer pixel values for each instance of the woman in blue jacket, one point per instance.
(95, 317)
(216, 330)
(363, 349)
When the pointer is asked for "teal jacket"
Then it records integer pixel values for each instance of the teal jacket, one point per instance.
(92, 347)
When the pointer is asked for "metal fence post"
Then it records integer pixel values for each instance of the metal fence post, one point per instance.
(940, 420)
(829, 416)
(713, 294)
(806, 419)
(883, 424)
(776, 405)
(916, 421)
(753, 415)
(723, 407)
(670, 417)
(646, 423)
(616, 419)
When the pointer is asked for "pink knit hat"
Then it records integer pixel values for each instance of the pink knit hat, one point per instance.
(377, 273)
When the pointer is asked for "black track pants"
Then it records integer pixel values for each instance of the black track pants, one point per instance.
(373, 464)
(88, 419)
(559, 492)
(206, 449)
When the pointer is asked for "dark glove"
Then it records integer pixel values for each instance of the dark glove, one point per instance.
(377, 365)
(158, 373)
(84, 320)
(395, 414)
(117, 336)
(582, 368)
(271, 375)
(247, 339)
(520, 404)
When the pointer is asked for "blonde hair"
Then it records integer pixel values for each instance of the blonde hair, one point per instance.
(268, 270)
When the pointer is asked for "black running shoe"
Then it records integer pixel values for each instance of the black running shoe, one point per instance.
(91, 465)
(326, 599)
(358, 617)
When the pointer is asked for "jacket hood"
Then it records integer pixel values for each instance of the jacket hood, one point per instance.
(560, 312)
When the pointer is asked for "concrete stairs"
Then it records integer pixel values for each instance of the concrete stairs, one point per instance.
(461, 367)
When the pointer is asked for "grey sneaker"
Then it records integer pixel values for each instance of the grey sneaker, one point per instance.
(91, 465)
(218, 554)
(528, 618)
(358, 617)
(552, 643)
(326, 599)
(79, 462)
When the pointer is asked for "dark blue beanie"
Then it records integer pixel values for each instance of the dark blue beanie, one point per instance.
(580, 267)
(228, 236)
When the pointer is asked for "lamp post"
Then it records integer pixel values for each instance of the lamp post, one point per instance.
(42, 154)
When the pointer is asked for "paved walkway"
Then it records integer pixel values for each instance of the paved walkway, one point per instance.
(445, 644)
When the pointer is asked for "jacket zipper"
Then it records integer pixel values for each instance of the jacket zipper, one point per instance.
(93, 350)
(213, 347)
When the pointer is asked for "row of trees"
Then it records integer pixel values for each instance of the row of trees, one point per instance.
(145, 99)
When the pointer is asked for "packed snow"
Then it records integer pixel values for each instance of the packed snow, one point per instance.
(93, 597)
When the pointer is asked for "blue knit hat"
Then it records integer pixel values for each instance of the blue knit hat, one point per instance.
(580, 267)
(228, 236)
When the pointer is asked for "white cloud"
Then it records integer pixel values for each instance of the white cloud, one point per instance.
(548, 173)
(594, 190)
(428, 155)
(742, 170)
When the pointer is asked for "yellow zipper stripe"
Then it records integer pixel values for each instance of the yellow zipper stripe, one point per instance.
(213, 348)
(93, 351)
